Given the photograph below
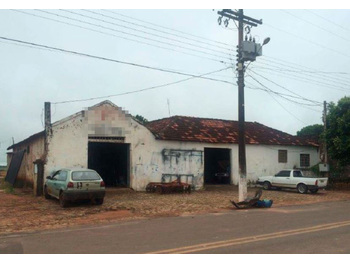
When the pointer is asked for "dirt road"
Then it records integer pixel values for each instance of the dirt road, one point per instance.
(21, 211)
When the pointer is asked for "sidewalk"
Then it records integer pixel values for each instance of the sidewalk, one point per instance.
(24, 212)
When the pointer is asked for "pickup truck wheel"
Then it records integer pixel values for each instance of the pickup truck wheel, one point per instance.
(313, 191)
(63, 202)
(302, 188)
(267, 185)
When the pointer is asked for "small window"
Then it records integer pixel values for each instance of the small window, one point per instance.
(304, 160)
(282, 156)
(297, 174)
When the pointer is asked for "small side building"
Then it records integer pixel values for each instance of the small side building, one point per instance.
(127, 153)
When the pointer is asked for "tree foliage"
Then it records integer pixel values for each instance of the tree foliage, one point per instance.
(338, 131)
(141, 119)
(314, 131)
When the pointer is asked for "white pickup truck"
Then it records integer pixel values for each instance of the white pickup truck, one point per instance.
(293, 179)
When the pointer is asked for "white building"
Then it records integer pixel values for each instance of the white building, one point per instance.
(127, 153)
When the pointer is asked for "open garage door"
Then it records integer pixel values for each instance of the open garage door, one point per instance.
(217, 166)
(111, 161)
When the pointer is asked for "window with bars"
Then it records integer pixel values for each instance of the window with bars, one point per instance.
(282, 156)
(304, 160)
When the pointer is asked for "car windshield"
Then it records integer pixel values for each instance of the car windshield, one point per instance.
(85, 175)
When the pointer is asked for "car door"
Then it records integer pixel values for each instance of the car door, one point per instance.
(51, 184)
(297, 176)
(61, 182)
(282, 179)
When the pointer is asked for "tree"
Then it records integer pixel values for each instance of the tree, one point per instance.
(141, 119)
(313, 131)
(338, 131)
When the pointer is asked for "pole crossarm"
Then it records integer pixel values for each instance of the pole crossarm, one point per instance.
(236, 16)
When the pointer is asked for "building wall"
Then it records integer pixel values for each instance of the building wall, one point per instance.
(262, 160)
(34, 150)
(188, 158)
(150, 158)
(67, 144)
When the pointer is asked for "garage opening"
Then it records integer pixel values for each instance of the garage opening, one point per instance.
(217, 166)
(111, 161)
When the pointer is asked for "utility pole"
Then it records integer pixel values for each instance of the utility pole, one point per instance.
(325, 153)
(47, 116)
(242, 56)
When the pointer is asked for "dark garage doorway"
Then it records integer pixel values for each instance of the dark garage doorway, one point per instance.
(111, 161)
(217, 166)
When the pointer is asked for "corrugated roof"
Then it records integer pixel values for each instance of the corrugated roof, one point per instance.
(28, 140)
(181, 128)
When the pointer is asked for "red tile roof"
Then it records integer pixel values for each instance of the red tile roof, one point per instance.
(180, 128)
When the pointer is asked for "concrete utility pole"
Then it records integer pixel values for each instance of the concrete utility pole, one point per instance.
(241, 58)
(325, 159)
(47, 116)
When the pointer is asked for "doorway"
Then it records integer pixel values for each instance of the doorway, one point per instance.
(217, 166)
(111, 161)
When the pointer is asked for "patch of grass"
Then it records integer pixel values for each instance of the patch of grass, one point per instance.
(7, 187)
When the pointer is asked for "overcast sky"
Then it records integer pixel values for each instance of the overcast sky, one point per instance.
(306, 62)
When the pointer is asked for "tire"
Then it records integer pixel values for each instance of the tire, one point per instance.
(313, 191)
(46, 194)
(302, 188)
(63, 202)
(267, 185)
(99, 201)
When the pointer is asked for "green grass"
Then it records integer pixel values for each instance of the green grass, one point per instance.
(7, 187)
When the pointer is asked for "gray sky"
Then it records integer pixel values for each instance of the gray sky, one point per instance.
(307, 57)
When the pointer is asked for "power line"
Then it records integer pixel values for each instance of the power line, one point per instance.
(301, 72)
(141, 90)
(126, 33)
(283, 96)
(301, 97)
(307, 40)
(117, 36)
(189, 34)
(107, 59)
(308, 80)
(326, 19)
(267, 90)
(308, 71)
(287, 110)
(150, 28)
(306, 21)
(298, 66)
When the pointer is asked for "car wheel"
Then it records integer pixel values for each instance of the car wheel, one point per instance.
(302, 188)
(99, 201)
(63, 202)
(313, 191)
(46, 194)
(267, 185)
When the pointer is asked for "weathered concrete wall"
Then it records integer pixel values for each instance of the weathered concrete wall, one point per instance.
(262, 160)
(34, 150)
(188, 158)
(162, 157)
(67, 144)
